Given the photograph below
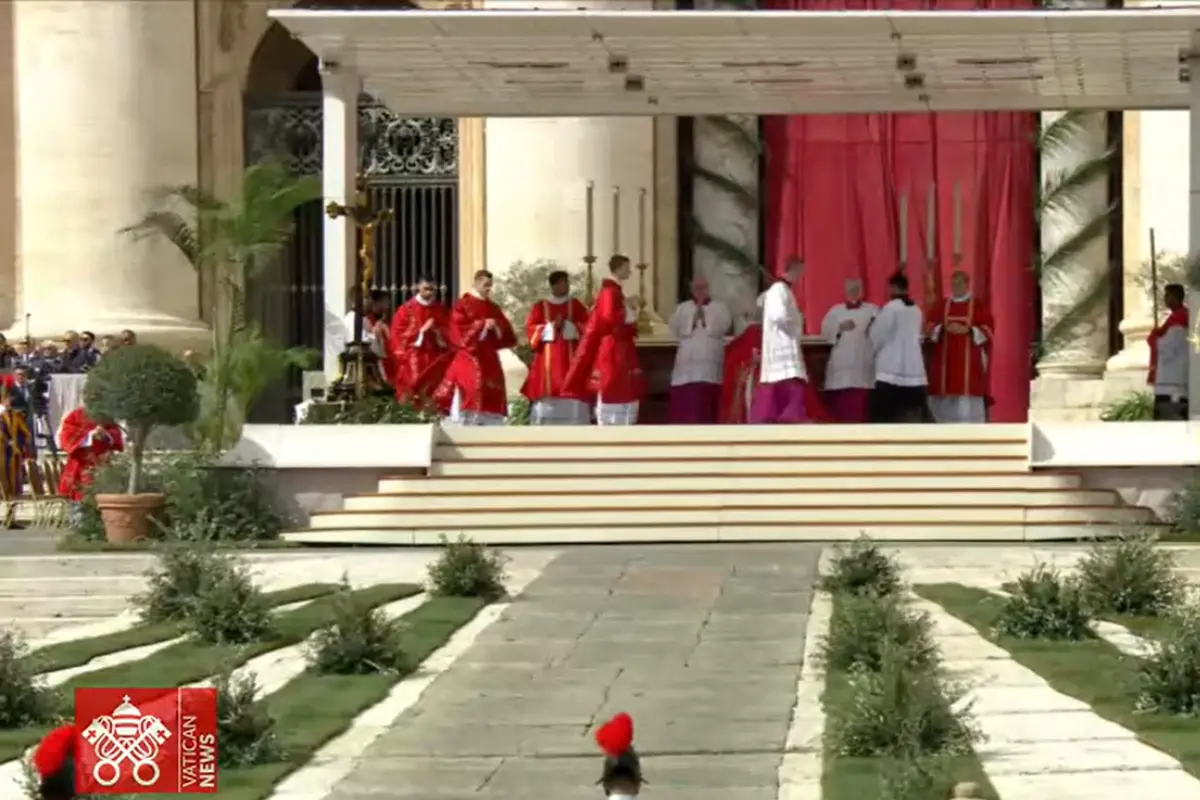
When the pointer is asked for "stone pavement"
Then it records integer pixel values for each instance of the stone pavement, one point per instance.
(701, 644)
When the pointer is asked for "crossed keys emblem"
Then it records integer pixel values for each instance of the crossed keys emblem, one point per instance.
(126, 735)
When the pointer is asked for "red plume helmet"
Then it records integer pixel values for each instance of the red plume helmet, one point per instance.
(54, 751)
(615, 737)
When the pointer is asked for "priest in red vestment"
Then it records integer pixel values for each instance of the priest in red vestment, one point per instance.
(418, 336)
(962, 331)
(1170, 352)
(739, 378)
(606, 364)
(554, 327)
(468, 383)
(86, 443)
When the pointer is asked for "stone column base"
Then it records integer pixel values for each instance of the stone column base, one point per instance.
(1066, 398)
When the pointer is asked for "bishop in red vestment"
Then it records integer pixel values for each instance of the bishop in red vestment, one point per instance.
(554, 327)
(962, 331)
(469, 381)
(606, 364)
(86, 443)
(418, 336)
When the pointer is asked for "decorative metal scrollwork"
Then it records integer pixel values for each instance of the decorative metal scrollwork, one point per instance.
(390, 146)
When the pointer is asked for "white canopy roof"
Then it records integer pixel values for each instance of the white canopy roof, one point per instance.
(608, 63)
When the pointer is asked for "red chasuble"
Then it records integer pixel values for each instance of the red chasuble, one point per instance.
(473, 367)
(958, 366)
(551, 360)
(85, 442)
(1178, 318)
(410, 360)
(606, 361)
(742, 359)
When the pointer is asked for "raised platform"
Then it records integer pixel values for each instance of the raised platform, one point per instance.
(728, 483)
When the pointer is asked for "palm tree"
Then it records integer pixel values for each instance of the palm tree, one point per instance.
(1075, 162)
(231, 241)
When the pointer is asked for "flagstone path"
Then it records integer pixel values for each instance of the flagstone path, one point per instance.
(702, 645)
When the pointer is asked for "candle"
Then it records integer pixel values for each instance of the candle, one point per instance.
(616, 242)
(931, 226)
(591, 219)
(903, 227)
(957, 219)
(641, 211)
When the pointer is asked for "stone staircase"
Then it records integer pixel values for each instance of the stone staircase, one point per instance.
(510, 486)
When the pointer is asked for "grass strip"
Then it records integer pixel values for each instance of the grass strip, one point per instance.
(189, 661)
(1146, 627)
(1091, 670)
(312, 709)
(856, 778)
(78, 652)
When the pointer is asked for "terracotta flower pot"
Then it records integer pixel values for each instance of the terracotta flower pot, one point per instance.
(127, 516)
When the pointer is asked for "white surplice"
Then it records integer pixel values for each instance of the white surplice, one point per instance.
(783, 325)
(700, 356)
(368, 334)
(851, 357)
(895, 335)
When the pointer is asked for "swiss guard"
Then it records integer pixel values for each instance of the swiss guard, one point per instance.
(621, 777)
(16, 439)
(54, 764)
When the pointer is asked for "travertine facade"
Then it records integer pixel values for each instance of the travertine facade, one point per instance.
(102, 101)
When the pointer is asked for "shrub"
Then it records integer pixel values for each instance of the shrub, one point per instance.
(25, 700)
(1131, 575)
(518, 411)
(228, 608)
(861, 627)
(369, 411)
(862, 568)
(361, 641)
(1169, 680)
(204, 502)
(905, 709)
(467, 569)
(920, 778)
(1132, 407)
(142, 387)
(175, 583)
(1045, 605)
(1183, 509)
(245, 728)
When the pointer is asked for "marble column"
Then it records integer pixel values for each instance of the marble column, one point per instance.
(537, 174)
(339, 142)
(8, 169)
(106, 112)
(1070, 375)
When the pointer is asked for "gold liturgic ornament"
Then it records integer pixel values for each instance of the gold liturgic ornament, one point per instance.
(649, 324)
(361, 372)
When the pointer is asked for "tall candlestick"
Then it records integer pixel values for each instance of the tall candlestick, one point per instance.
(931, 226)
(957, 220)
(616, 242)
(641, 211)
(591, 220)
(903, 228)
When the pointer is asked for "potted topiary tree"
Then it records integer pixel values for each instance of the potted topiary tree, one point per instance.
(141, 387)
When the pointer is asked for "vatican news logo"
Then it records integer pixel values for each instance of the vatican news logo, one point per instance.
(142, 740)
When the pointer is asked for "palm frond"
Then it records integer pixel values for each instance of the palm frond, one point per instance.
(1084, 300)
(171, 226)
(724, 249)
(1065, 253)
(1061, 188)
(744, 196)
(747, 139)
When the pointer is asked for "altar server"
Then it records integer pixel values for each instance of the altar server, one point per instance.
(553, 328)
(961, 330)
(850, 371)
(606, 363)
(621, 776)
(899, 394)
(699, 325)
(783, 380)
(1169, 356)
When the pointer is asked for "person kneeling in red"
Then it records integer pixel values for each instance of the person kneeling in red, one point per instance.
(85, 443)
(54, 764)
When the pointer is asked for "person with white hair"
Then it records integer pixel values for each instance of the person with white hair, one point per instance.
(850, 371)
(699, 325)
(783, 379)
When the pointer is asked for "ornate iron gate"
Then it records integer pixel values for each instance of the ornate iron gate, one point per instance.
(411, 166)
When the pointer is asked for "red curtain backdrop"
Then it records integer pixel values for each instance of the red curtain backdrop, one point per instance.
(834, 184)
